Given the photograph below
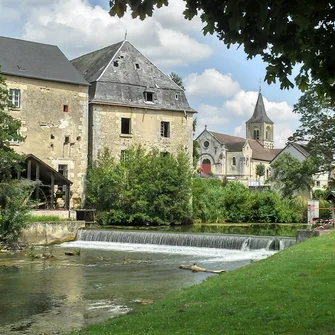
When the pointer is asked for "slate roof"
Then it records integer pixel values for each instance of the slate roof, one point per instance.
(259, 115)
(36, 60)
(120, 74)
(232, 143)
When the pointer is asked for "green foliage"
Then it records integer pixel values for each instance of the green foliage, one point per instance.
(291, 176)
(141, 188)
(177, 79)
(14, 209)
(284, 34)
(214, 201)
(317, 118)
(9, 130)
(260, 170)
(44, 218)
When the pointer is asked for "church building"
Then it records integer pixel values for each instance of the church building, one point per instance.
(236, 157)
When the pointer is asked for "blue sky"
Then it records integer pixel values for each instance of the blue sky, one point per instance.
(221, 84)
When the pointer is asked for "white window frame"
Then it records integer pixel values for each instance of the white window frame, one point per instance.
(14, 98)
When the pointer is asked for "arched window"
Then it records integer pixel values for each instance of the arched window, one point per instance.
(256, 134)
(268, 133)
(233, 161)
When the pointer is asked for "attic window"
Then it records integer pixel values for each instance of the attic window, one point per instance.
(137, 66)
(177, 96)
(148, 96)
(116, 63)
(65, 108)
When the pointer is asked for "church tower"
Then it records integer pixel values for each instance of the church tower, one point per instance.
(259, 126)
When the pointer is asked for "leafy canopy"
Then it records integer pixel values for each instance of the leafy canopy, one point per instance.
(284, 33)
(317, 126)
(291, 176)
(9, 131)
(177, 79)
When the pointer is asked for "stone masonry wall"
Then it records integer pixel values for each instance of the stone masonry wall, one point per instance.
(145, 129)
(55, 135)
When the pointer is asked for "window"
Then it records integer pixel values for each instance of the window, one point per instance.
(63, 170)
(13, 141)
(318, 184)
(125, 125)
(14, 98)
(116, 63)
(137, 66)
(66, 139)
(233, 161)
(256, 134)
(148, 97)
(268, 133)
(165, 129)
(177, 96)
(206, 144)
(124, 155)
(65, 108)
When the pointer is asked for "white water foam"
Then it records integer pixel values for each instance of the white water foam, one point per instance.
(213, 253)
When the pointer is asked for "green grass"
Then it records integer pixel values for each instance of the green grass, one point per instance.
(45, 218)
(292, 292)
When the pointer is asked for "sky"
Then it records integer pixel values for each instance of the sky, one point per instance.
(221, 84)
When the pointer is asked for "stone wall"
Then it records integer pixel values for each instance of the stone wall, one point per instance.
(54, 120)
(145, 129)
(45, 233)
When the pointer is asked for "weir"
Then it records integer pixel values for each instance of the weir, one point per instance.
(220, 241)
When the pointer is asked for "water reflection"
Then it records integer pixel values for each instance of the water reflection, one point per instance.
(52, 296)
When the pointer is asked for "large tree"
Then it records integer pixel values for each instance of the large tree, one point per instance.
(317, 129)
(284, 33)
(290, 176)
(9, 131)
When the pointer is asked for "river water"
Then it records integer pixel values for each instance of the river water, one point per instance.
(57, 295)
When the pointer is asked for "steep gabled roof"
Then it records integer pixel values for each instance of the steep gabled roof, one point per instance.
(259, 115)
(36, 60)
(120, 74)
(94, 63)
(233, 143)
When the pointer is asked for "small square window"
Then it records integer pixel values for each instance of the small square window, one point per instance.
(116, 63)
(125, 125)
(148, 96)
(165, 129)
(137, 66)
(65, 108)
(14, 98)
(63, 170)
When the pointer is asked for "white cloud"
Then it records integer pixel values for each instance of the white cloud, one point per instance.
(211, 83)
(77, 27)
(210, 116)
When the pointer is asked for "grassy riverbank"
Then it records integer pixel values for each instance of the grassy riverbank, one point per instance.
(292, 292)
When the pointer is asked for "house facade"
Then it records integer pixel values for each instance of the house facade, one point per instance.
(50, 98)
(236, 157)
(132, 102)
(113, 97)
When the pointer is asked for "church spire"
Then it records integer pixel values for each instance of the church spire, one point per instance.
(259, 112)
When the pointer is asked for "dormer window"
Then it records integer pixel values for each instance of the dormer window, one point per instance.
(116, 63)
(148, 96)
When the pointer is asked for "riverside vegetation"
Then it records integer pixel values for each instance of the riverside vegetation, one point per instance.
(160, 189)
(291, 292)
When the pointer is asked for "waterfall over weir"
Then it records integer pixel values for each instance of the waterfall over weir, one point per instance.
(220, 241)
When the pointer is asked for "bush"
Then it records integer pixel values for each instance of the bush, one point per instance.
(14, 208)
(142, 188)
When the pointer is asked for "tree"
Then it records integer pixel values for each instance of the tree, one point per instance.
(9, 131)
(284, 33)
(291, 176)
(260, 170)
(141, 188)
(177, 79)
(317, 127)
